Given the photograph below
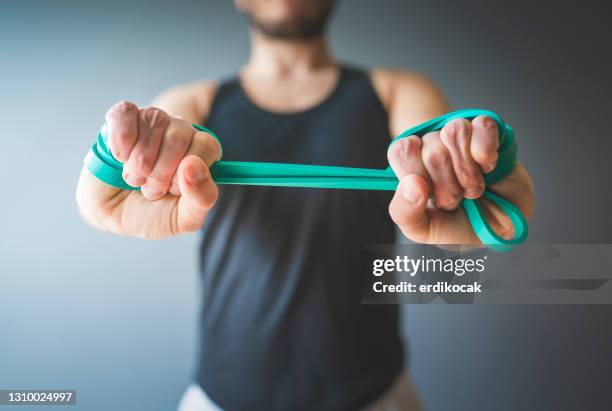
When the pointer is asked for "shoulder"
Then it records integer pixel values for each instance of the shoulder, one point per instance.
(409, 97)
(191, 101)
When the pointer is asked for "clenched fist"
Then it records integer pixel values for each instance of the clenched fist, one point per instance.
(439, 170)
(168, 159)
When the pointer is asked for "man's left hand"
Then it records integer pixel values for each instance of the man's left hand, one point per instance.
(448, 166)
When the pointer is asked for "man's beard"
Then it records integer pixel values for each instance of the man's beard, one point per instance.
(300, 28)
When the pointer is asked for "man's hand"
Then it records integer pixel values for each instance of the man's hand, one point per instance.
(168, 159)
(448, 166)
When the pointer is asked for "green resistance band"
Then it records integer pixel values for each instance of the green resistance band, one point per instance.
(105, 167)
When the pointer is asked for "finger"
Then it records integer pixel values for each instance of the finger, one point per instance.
(405, 157)
(122, 123)
(485, 141)
(456, 138)
(408, 208)
(151, 125)
(198, 193)
(174, 144)
(437, 160)
(204, 146)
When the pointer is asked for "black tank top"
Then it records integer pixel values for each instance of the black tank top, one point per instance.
(282, 327)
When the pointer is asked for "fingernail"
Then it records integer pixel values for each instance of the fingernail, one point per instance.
(449, 205)
(474, 192)
(411, 193)
(488, 168)
(488, 122)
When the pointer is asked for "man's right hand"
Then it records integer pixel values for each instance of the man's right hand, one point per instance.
(168, 159)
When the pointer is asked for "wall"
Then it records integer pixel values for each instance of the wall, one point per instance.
(125, 337)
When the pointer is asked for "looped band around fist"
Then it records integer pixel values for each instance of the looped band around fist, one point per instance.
(102, 164)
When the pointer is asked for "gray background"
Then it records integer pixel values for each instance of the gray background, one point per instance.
(115, 318)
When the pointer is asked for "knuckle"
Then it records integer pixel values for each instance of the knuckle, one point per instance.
(484, 122)
(124, 107)
(212, 144)
(176, 138)
(437, 158)
(448, 134)
(471, 178)
(485, 156)
(405, 148)
(473, 174)
(463, 126)
(159, 178)
(142, 163)
(154, 116)
(454, 130)
(121, 138)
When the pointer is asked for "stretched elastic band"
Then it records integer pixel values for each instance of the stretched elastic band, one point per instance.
(105, 167)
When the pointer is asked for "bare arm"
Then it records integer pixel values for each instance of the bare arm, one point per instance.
(409, 98)
(190, 102)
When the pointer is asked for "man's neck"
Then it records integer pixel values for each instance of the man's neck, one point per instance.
(274, 58)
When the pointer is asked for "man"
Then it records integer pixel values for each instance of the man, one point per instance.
(282, 324)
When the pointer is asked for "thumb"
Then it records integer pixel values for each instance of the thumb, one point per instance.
(198, 193)
(408, 209)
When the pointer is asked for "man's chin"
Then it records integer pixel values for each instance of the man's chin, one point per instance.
(296, 30)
